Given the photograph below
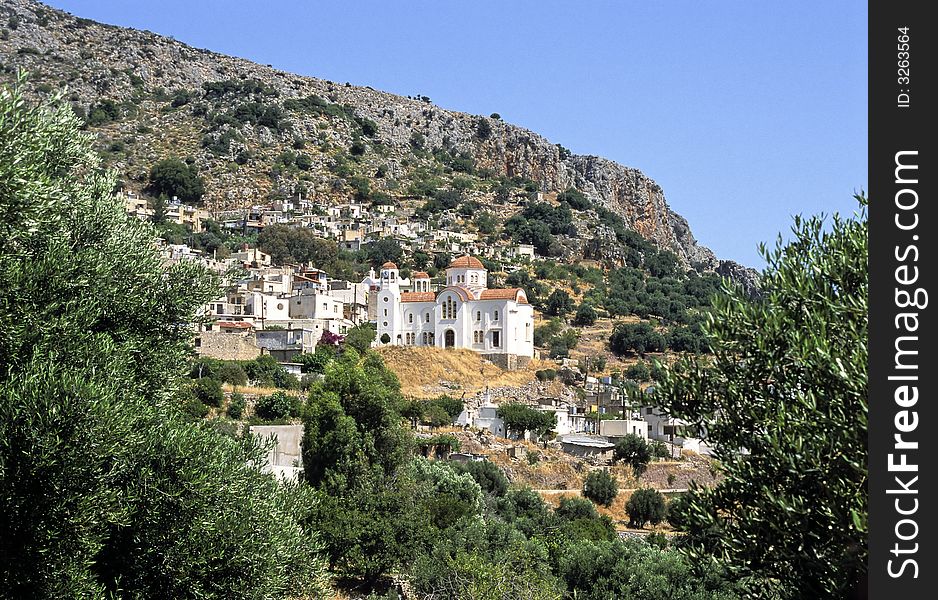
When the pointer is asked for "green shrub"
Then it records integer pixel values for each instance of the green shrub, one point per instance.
(208, 391)
(646, 506)
(236, 406)
(600, 487)
(634, 451)
(487, 474)
(277, 406)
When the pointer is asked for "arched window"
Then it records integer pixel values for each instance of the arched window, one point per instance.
(410, 317)
(496, 316)
(478, 315)
(449, 308)
(427, 317)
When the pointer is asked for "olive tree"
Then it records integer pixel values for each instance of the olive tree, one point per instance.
(783, 400)
(104, 489)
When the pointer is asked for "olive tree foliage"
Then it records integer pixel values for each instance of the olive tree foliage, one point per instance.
(787, 382)
(104, 490)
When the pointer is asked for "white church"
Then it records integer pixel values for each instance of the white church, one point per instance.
(498, 323)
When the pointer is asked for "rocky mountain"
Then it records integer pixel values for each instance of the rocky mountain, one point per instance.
(254, 132)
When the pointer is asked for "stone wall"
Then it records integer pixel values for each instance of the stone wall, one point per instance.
(227, 346)
(509, 362)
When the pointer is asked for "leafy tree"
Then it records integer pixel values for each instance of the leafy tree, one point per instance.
(600, 487)
(357, 402)
(485, 560)
(384, 250)
(646, 505)
(576, 199)
(585, 315)
(277, 406)
(787, 382)
(173, 177)
(265, 370)
(634, 451)
(316, 362)
(360, 337)
(635, 338)
(599, 570)
(233, 373)
(117, 494)
(558, 303)
(208, 391)
(520, 419)
(446, 494)
(638, 372)
(287, 244)
(436, 416)
(236, 406)
(487, 474)
(662, 263)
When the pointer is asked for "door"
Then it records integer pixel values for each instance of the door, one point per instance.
(449, 338)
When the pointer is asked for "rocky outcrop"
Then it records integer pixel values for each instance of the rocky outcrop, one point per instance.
(142, 70)
(745, 277)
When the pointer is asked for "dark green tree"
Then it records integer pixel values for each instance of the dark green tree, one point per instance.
(600, 487)
(173, 177)
(360, 337)
(635, 338)
(558, 303)
(521, 419)
(634, 451)
(787, 382)
(645, 505)
(106, 490)
(287, 244)
(585, 315)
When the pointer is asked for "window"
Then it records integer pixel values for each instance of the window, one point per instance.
(478, 315)
(496, 339)
(475, 278)
(449, 308)
(385, 323)
(198, 342)
(527, 332)
(496, 316)
(385, 312)
(410, 318)
(325, 306)
(478, 337)
(427, 316)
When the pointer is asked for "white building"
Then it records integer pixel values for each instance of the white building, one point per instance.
(498, 323)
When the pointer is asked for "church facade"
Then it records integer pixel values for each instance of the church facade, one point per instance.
(498, 323)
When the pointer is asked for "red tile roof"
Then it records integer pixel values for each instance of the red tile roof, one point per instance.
(466, 262)
(389, 265)
(421, 275)
(418, 297)
(516, 294)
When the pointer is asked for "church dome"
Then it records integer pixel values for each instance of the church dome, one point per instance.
(466, 262)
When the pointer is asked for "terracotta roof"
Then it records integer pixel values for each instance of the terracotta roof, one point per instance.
(389, 265)
(463, 292)
(505, 294)
(235, 325)
(421, 275)
(466, 262)
(418, 297)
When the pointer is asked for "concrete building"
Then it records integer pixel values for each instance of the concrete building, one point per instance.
(283, 455)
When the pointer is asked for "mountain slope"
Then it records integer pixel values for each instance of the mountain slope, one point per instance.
(256, 132)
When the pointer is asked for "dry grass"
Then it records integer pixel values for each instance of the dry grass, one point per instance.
(429, 372)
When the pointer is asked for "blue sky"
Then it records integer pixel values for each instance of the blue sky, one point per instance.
(745, 112)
